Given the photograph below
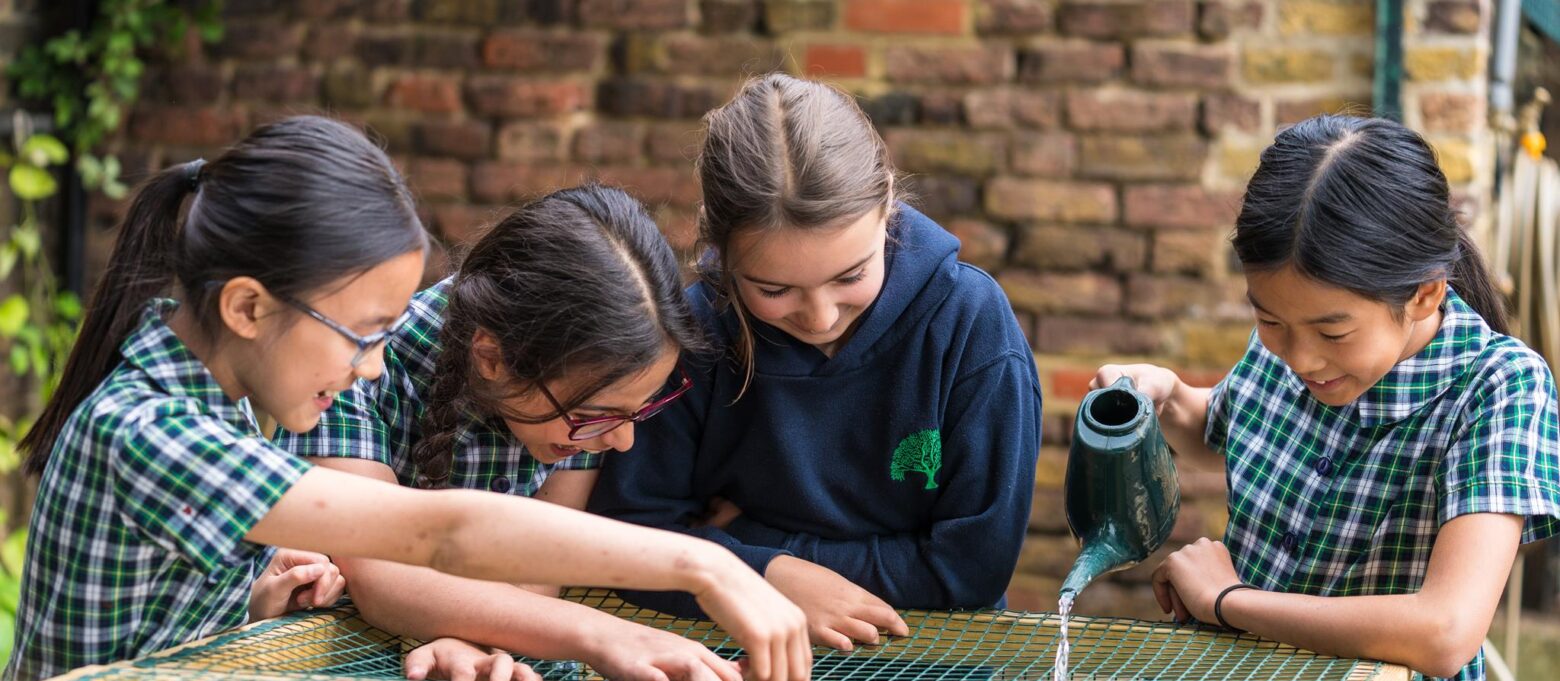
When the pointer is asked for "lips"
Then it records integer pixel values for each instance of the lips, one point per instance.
(1323, 385)
(324, 398)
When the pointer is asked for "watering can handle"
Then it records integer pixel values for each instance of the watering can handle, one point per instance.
(1125, 382)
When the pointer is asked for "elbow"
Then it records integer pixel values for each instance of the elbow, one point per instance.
(1453, 644)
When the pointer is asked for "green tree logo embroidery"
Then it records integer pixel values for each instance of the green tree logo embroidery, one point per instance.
(921, 452)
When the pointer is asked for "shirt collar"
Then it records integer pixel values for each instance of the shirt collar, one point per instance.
(157, 351)
(1424, 377)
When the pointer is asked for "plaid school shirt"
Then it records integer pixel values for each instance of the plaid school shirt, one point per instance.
(1347, 501)
(137, 536)
(381, 420)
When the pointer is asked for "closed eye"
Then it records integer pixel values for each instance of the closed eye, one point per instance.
(852, 278)
(773, 292)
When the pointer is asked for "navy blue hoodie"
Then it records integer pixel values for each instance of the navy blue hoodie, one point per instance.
(905, 463)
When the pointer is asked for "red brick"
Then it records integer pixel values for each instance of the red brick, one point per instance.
(1043, 154)
(726, 16)
(503, 182)
(533, 141)
(942, 17)
(953, 151)
(386, 47)
(474, 12)
(385, 11)
(526, 97)
(185, 85)
(789, 16)
(735, 55)
(1114, 20)
(1154, 296)
(1046, 292)
(636, 14)
(1220, 111)
(1019, 199)
(1119, 110)
(942, 108)
(1072, 383)
(447, 50)
(980, 243)
(328, 42)
(1013, 17)
(1142, 157)
(675, 142)
(634, 97)
(1097, 336)
(1062, 247)
(680, 226)
(190, 127)
(653, 185)
(1289, 112)
(1179, 206)
(461, 223)
(609, 141)
(437, 178)
(429, 94)
(1004, 107)
(944, 196)
(1181, 64)
(1219, 18)
(466, 139)
(1451, 111)
(1189, 251)
(260, 40)
(982, 65)
(835, 61)
(1071, 61)
(274, 84)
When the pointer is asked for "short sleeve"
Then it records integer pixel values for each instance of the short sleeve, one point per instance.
(196, 486)
(584, 461)
(1504, 457)
(353, 427)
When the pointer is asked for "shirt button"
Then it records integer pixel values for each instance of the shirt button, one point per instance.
(1324, 466)
(1291, 541)
(500, 484)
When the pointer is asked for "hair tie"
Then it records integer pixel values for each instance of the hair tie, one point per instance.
(192, 173)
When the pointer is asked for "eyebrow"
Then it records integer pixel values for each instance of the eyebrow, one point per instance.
(1333, 318)
(846, 271)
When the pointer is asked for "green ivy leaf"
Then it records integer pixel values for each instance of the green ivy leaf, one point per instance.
(67, 305)
(28, 240)
(19, 360)
(91, 170)
(44, 150)
(31, 183)
(13, 315)
(8, 255)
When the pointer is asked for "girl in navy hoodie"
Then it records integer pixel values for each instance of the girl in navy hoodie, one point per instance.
(866, 436)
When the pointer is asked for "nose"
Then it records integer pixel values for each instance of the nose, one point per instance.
(620, 438)
(820, 315)
(372, 366)
(1303, 358)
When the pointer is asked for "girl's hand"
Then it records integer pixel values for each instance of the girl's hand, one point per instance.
(719, 514)
(1157, 382)
(838, 611)
(633, 652)
(770, 628)
(292, 581)
(1189, 580)
(457, 660)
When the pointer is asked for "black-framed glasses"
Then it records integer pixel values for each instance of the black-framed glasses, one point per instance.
(596, 426)
(365, 344)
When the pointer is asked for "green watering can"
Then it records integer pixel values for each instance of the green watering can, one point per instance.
(1122, 492)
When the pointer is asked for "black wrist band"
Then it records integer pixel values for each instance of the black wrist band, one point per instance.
(1218, 606)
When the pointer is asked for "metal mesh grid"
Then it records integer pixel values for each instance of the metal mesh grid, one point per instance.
(985, 645)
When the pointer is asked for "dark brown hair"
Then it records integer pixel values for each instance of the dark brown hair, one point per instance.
(785, 153)
(578, 283)
(297, 205)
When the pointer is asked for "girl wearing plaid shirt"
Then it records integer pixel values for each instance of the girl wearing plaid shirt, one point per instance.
(297, 258)
(517, 375)
(1387, 446)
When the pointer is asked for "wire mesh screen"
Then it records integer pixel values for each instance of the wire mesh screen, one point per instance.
(988, 645)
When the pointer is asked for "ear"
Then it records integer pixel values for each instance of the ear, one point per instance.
(1426, 300)
(487, 356)
(242, 303)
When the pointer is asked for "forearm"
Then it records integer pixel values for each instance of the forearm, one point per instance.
(1184, 421)
(424, 604)
(1411, 629)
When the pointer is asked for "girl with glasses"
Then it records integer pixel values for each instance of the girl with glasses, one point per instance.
(158, 490)
(866, 433)
(559, 331)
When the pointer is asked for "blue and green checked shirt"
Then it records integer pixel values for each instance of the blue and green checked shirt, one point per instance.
(380, 420)
(1347, 501)
(136, 542)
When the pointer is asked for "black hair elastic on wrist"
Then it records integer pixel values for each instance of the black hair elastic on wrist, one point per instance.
(192, 173)
(1218, 606)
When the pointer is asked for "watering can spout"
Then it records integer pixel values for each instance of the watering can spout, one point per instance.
(1121, 487)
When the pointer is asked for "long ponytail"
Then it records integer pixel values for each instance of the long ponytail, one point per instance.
(140, 267)
(1471, 277)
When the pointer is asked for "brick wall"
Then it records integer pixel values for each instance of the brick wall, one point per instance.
(1090, 154)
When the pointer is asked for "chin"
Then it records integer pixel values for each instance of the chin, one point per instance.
(298, 424)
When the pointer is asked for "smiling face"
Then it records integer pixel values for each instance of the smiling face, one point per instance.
(812, 283)
(1339, 342)
(297, 365)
